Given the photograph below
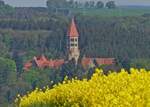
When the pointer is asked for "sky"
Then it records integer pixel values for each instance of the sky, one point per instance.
(26, 3)
(42, 3)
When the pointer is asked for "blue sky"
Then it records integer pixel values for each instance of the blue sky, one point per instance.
(42, 3)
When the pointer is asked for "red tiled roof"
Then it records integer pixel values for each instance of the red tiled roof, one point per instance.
(58, 63)
(100, 61)
(73, 32)
(27, 65)
(105, 61)
(51, 64)
(86, 62)
(43, 62)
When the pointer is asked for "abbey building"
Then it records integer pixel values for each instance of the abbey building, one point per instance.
(73, 52)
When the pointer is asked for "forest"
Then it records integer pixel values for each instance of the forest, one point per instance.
(31, 31)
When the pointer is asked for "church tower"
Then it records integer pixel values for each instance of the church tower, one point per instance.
(73, 42)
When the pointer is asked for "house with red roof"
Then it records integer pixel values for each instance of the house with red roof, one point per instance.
(42, 62)
(73, 53)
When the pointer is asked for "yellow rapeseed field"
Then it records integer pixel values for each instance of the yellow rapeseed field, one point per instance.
(115, 90)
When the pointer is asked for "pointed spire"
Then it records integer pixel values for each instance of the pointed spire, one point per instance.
(73, 32)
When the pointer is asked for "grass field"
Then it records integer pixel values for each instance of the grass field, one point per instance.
(118, 12)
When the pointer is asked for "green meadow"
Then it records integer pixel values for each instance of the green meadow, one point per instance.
(118, 12)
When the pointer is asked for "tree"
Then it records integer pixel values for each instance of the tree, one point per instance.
(5, 8)
(7, 71)
(111, 5)
(76, 4)
(87, 4)
(7, 40)
(39, 77)
(4, 50)
(71, 3)
(19, 62)
(99, 4)
(91, 4)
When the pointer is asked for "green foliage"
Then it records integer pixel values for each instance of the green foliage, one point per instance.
(5, 44)
(99, 4)
(7, 64)
(140, 63)
(7, 40)
(4, 50)
(122, 38)
(71, 3)
(31, 76)
(111, 5)
(74, 4)
(29, 55)
(40, 77)
(5, 9)
(89, 4)
(7, 71)
(110, 13)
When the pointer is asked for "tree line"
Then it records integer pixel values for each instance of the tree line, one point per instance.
(121, 38)
(55, 4)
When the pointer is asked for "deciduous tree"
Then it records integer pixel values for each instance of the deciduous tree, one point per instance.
(111, 5)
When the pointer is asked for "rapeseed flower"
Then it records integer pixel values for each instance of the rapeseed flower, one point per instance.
(115, 90)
